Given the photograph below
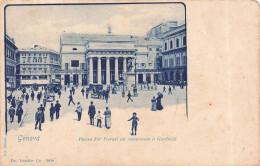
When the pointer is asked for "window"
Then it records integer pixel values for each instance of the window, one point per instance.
(165, 46)
(34, 70)
(34, 59)
(82, 66)
(34, 78)
(157, 49)
(150, 64)
(137, 65)
(143, 65)
(171, 62)
(177, 42)
(184, 60)
(74, 49)
(51, 60)
(45, 70)
(42, 77)
(24, 59)
(171, 44)
(66, 66)
(40, 70)
(40, 59)
(29, 70)
(178, 61)
(45, 59)
(184, 40)
(157, 54)
(29, 59)
(150, 49)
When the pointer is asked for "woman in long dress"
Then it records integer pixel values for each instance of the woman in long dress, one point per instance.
(107, 114)
(153, 104)
(159, 104)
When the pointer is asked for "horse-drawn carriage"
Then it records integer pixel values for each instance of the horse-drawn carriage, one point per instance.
(96, 91)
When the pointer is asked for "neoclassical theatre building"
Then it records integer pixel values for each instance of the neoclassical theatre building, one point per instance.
(107, 58)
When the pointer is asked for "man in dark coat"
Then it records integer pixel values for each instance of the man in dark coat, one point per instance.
(91, 113)
(39, 97)
(57, 109)
(39, 118)
(52, 111)
(82, 91)
(27, 98)
(129, 96)
(71, 100)
(19, 112)
(11, 113)
(107, 96)
(32, 95)
(13, 102)
(164, 89)
(87, 92)
(59, 93)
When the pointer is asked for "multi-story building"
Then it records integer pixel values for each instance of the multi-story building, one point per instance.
(107, 58)
(37, 65)
(158, 30)
(174, 54)
(148, 59)
(10, 53)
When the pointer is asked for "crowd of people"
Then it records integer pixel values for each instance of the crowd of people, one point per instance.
(16, 105)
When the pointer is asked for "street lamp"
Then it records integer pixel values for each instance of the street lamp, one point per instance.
(135, 88)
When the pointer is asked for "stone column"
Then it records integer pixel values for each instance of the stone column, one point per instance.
(80, 79)
(144, 77)
(62, 79)
(90, 71)
(124, 67)
(99, 70)
(152, 77)
(116, 69)
(107, 71)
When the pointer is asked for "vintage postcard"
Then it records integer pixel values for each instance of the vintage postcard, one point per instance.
(129, 83)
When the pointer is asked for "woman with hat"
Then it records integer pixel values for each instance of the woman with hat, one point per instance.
(107, 114)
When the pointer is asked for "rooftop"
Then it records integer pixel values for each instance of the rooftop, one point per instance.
(39, 48)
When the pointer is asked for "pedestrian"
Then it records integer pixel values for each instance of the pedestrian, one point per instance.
(158, 103)
(39, 116)
(27, 97)
(44, 101)
(91, 113)
(164, 89)
(65, 88)
(87, 92)
(153, 104)
(107, 114)
(39, 97)
(99, 121)
(32, 95)
(70, 91)
(129, 96)
(134, 123)
(59, 93)
(79, 111)
(71, 100)
(13, 103)
(107, 96)
(19, 112)
(173, 87)
(82, 91)
(52, 111)
(11, 113)
(57, 109)
(169, 90)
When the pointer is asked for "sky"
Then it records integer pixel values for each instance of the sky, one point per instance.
(43, 25)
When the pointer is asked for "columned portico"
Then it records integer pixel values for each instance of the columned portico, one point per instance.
(124, 67)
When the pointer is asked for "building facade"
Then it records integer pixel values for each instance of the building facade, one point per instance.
(174, 54)
(37, 65)
(158, 30)
(10, 66)
(107, 59)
